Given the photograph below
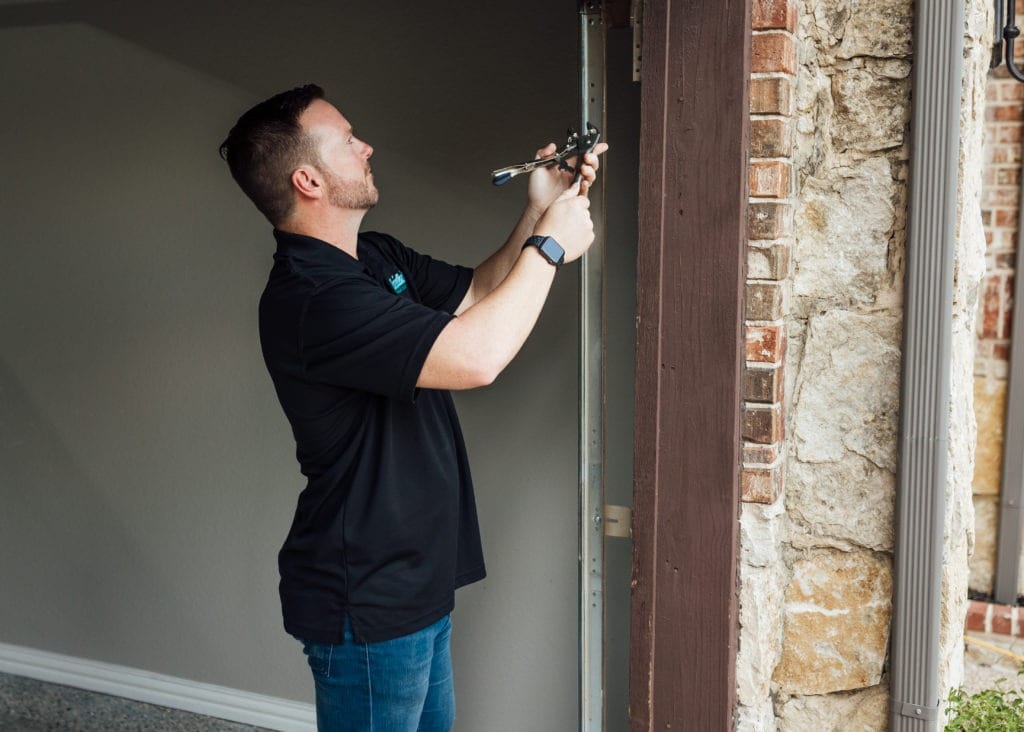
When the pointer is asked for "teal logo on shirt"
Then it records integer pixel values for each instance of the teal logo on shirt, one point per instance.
(397, 282)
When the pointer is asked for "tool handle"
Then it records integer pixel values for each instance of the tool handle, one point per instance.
(501, 176)
(574, 147)
(593, 140)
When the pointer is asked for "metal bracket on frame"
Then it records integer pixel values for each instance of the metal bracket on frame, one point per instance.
(617, 521)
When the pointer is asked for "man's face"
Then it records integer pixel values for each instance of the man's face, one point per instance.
(344, 158)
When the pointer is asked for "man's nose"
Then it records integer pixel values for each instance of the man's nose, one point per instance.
(369, 150)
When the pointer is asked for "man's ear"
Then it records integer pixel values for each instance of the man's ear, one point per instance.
(308, 182)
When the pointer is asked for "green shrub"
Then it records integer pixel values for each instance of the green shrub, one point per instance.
(990, 710)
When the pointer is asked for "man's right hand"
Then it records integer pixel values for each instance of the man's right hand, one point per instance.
(568, 222)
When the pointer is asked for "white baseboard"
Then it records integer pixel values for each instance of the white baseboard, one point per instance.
(153, 688)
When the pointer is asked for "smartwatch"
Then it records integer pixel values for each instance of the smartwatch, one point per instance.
(550, 248)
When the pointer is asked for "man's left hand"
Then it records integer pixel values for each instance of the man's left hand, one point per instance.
(547, 184)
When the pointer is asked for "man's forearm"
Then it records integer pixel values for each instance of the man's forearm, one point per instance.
(493, 270)
(473, 349)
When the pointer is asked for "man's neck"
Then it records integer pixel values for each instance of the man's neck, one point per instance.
(340, 228)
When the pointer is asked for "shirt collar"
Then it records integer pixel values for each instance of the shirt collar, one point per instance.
(311, 249)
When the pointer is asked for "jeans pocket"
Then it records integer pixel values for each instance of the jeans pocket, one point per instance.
(318, 655)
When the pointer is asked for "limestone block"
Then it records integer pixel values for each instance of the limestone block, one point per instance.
(846, 504)
(837, 610)
(872, 110)
(892, 68)
(983, 561)
(953, 613)
(760, 533)
(760, 718)
(951, 665)
(841, 485)
(796, 338)
(847, 392)
(860, 711)
(990, 412)
(970, 230)
(978, 25)
(760, 634)
(879, 28)
(843, 223)
(963, 433)
(813, 123)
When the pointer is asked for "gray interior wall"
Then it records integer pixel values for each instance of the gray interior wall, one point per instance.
(147, 475)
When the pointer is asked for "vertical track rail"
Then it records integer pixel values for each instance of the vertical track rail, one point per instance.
(591, 494)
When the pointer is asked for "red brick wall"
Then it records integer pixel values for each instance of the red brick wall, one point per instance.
(770, 225)
(1004, 120)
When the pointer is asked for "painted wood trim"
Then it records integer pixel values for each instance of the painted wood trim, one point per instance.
(153, 688)
(691, 273)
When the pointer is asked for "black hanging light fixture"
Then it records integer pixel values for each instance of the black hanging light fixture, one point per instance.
(1006, 34)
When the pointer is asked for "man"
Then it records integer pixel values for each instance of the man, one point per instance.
(363, 337)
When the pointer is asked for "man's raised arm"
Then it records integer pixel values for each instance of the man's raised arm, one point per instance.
(546, 185)
(477, 346)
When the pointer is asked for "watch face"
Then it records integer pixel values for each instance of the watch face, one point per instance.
(552, 250)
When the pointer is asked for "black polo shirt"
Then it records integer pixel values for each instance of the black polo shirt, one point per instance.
(386, 527)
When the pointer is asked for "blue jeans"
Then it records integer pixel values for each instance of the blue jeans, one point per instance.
(400, 685)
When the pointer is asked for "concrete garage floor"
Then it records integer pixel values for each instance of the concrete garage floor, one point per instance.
(27, 705)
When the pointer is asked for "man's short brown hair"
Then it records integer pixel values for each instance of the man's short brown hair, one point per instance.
(266, 145)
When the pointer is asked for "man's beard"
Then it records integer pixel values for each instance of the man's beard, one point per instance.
(361, 195)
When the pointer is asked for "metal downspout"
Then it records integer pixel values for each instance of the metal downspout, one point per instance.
(925, 389)
(1011, 490)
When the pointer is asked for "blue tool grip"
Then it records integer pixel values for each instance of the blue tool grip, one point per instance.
(501, 179)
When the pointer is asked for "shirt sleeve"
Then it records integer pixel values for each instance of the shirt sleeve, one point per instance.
(358, 335)
(440, 285)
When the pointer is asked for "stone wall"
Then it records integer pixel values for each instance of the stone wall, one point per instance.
(816, 559)
(850, 157)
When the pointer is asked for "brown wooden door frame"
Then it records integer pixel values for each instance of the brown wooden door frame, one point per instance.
(691, 272)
